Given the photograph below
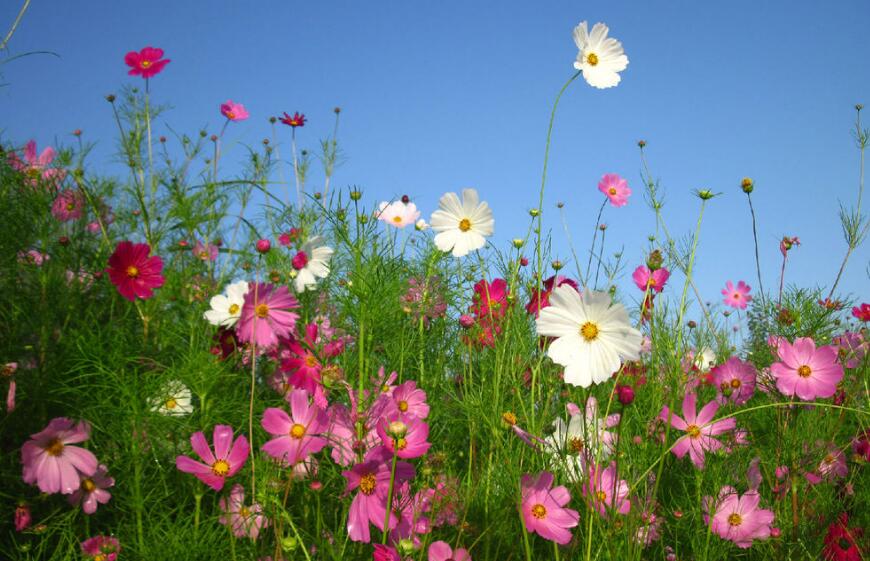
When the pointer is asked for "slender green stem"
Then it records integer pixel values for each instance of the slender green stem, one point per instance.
(755, 239)
(389, 508)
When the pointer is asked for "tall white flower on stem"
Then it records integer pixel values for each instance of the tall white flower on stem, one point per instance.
(226, 308)
(310, 263)
(173, 399)
(462, 226)
(593, 335)
(601, 58)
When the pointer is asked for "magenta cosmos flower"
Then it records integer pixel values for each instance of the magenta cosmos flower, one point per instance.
(734, 380)
(738, 518)
(35, 168)
(227, 459)
(243, 520)
(441, 551)
(615, 188)
(806, 371)
(404, 435)
(862, 312)
(541, 299)
(234, 111)
(68, 205)
(266, 314)
(93, 490)
(699, 428)
(385, 553)
(543, 508)
(302, 363)
(737, 297)
(295, 120)
(411, 400)
(50, 461)
(654, 281)
(101, 548)
(372, 479)
(606, 491)
(146, 63)
(206, 251)
(134, 272)
(299, 434)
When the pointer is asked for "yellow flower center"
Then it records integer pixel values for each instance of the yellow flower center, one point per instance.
(539, 511)
(589, 331)
(575, 444)
(101, 557)
(401, 444)
(220, 468)
(132, 272)
(171, 403)
(829, 459)
(735, 520)
(234, 309)
(403, 406)
(34, 172)
(367, 484)
(465, 225)
(70, 206)
(145, 63)
(601, 496)
(88, 485)
(509, 418)
(694, 431)
(397, 219)
(244, 512)
(262, 311)
(592, 59)
(231, 115)
(311, 361)
(55, 447)
(612, 190)
(804, 371)
(297, 431)
(735, 383)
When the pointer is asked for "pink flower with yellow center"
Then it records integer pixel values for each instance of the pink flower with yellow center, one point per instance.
(737, 296)
(266, 314)
(68, 205)
(615, 188)
(92, 491)
(51, 462)
(738, 518)
(607, 493)
(734, 380)
(371, 480)
(133, 272)
(652, 281)
(227, 459)
(543, 508)
(244, 520)
(699, 428)
(397, 213)
(297, 435)
(234, 111)
(146, 63)
(36, 168)
(101, 548)
(806, 371)
(404, 435)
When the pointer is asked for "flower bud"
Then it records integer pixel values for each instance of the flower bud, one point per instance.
(263, 246)
(747, 185)
(466, 321)
(355, 195)
(705, 194)
(406, 199)
(654, 260)
(110, 98)
(524, 261)
(641, 143)
(518, 242)
(556, 264)
(273, 120)
(534, 212)
(509, 418)
(625, 394)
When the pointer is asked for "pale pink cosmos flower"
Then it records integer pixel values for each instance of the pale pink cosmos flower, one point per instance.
(372, 479)
(234, 111)
(738, 518)
(36, 168)
(205, 251)
(227, 459)
(410, 399)
(787, 243)
(441, 551)
(832, 466)
(266, 314)
(52, 463)
(734, 381)
(615, 188)
(93, 491)
(243, 520)
(699, 428)
(806, 371)
(606, 492)
(33, 257)
(404, 435)
(297, 435)
(654, 281)
(737, 296)
(397, 213)
(68, 205)
(101, 548)
(543, 508)
(852, 348)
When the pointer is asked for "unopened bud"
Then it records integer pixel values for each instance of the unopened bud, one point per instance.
(397, 429)
(518, 242)
(535, 212)
(556, 264)
(641, 143)
(355, 195)
(747, 185)
(654, 260)
(509, 418)
(263, 246)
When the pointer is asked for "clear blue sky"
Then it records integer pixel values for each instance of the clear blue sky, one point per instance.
(437, 96)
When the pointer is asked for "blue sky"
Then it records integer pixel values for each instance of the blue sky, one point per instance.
(438, 96)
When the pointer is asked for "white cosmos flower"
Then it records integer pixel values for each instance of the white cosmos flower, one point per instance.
(601, 58)
(226, 308)
(421, 225)
(593, 336)
(173, 399)
(462, 226)
(583, 440)
(311, 262)
(397, 213)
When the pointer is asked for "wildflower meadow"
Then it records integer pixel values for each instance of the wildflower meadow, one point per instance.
(260, 365)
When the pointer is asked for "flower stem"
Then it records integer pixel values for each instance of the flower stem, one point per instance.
(389, 508)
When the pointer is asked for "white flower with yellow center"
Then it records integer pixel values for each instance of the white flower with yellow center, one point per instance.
(593, 335)
(601, 58)
(226, 308)
(173, 399)
(462, 226)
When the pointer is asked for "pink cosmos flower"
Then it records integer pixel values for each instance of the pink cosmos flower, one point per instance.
(302, 363)
(832, 466)
(607, 492)
(33, 257)
(227, 459)
(23, 519)
(266, 314)
(68, 205)
(787, 243)
(441, 551)
(372, 479)
(133, 272)
(234, 111)
(653, 281)
(737, 297)
(34, 167)
(806, 371)
(851, 348)
(297, 435)
(411, 400)
(404, 435)
(424, 299)
(699, 428)
(862, 312)
(146, 63)
(543, 508)
(397, 213)
(101, 548)
(52, 463)
(295, 120)
(539, 302)
(738, 518)
(93, 491)
(8, 371)
(861, 445)
(243, 520)
(616, 189)
(734, 380)
(205, 251)
(385, 553)
(490, 299)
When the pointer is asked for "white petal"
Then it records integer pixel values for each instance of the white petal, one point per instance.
(446, 240)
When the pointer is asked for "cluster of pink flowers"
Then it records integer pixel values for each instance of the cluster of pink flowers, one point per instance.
(486, 312)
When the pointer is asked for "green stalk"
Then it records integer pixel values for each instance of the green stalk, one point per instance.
(390, 492)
